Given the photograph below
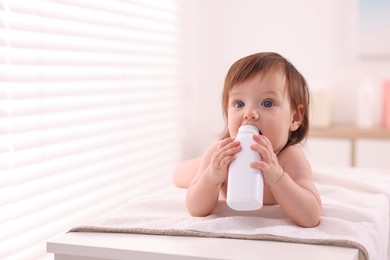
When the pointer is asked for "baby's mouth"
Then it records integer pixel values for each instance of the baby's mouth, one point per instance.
(260, 132)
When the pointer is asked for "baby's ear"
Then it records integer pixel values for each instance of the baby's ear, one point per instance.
(297, 117)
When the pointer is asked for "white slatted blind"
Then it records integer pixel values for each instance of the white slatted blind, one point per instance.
(89, 110)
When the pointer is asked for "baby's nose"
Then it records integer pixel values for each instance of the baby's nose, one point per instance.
(251, 114)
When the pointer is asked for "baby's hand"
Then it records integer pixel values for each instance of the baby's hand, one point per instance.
(220, 160)
(269, 165)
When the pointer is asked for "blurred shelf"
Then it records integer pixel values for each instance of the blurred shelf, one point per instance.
(351, 132)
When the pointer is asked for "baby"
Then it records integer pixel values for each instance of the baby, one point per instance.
(267, 91)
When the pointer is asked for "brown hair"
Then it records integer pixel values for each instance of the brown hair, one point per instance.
(263, 63)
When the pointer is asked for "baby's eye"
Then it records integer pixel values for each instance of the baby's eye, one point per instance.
(239, 104)
(267, 104)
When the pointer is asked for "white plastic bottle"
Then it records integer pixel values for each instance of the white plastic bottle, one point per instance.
(245, 184)
(365, 105)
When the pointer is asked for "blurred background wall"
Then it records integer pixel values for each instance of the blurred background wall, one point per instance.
(321, 38)
(99, 100)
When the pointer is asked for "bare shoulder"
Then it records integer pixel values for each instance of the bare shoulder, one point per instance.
(293, 160)
(185, 172)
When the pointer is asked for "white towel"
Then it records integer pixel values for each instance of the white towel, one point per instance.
(355, 215)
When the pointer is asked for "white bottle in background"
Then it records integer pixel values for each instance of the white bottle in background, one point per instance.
(365, 105)
(245, 184)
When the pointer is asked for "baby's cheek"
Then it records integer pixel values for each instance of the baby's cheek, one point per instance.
(233, 133)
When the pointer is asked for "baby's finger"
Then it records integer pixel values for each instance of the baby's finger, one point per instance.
(227, 145)
(262, 150)
(227, 160)
(225, 142)
(230, 150)
(263, 140)
(261, 165)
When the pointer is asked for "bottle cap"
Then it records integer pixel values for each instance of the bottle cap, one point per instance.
(248, 128)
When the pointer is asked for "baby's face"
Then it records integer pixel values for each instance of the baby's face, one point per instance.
(262, 101)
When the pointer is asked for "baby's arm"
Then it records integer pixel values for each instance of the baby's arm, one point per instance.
(295, 191)
(185, 172)
(289, 178)
(203, 192)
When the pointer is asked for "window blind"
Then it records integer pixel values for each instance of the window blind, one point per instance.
(89, 109)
